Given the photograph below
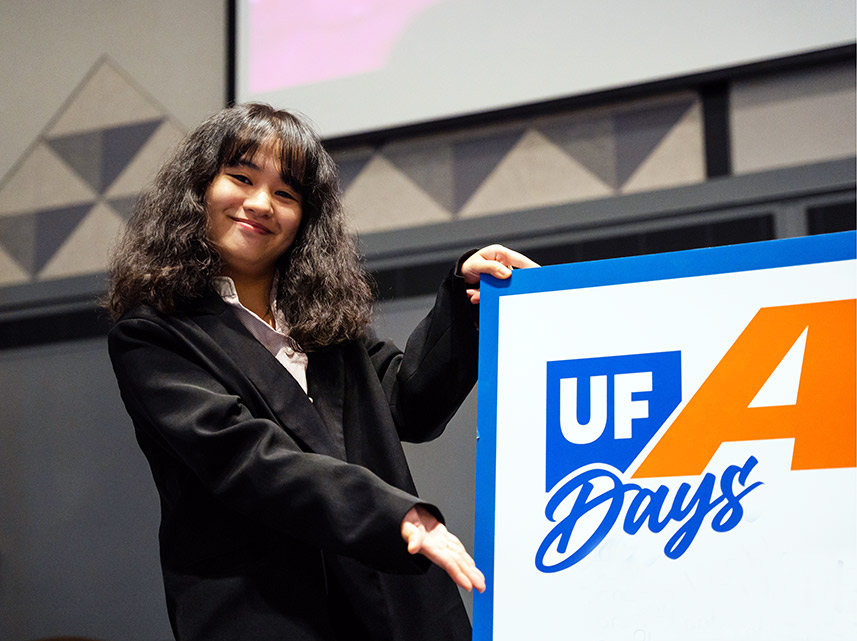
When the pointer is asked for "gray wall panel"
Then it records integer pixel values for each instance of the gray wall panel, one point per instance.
(78, 535)
(444, 469)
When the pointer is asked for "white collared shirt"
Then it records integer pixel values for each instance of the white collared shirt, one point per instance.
(284, 348)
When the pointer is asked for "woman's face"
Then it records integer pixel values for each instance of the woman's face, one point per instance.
(253, 215)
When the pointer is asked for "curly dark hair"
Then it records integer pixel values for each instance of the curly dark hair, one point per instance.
(165, 259)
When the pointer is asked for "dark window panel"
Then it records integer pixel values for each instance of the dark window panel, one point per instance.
(613, 247)
(416, 280)
(676, 239)
(557, 255)
(828, 219)
(742, 230)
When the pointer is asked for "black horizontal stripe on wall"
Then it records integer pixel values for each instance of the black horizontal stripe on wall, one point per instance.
(729, 232)
(424, 278)
(50, 328)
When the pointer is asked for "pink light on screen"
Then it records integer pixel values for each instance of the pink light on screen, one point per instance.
(305, 41)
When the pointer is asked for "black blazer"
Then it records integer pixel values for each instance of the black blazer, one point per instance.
(280, 514)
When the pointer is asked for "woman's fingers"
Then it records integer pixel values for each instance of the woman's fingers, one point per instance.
(443, 549)
(461, 572)
(495, 260)
(427, 536)
(514, 259)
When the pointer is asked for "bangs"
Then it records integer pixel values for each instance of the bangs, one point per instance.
(283, 138)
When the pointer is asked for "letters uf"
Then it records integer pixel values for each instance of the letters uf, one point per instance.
(605, 410)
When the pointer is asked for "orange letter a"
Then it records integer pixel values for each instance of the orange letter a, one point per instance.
(821, 420)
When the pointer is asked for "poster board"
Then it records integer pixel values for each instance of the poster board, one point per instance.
(667, 447)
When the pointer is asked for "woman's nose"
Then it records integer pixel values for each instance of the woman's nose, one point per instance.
(259, 202)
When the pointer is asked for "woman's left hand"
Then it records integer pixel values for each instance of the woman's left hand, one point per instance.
(495, 260)
(425, 535)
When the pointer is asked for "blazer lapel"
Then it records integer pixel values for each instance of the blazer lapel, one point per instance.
(326, 383)
(278, 388)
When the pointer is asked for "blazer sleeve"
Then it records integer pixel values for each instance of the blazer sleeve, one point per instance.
(426, 384)
(194, 424)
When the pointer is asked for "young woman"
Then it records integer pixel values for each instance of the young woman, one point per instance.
(271, 416)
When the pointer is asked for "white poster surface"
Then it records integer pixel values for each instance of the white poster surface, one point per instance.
(668, 447)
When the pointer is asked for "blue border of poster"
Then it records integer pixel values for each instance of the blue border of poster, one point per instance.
(636, 269)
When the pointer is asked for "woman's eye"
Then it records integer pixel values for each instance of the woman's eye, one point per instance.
(241, 178)
(286, 194)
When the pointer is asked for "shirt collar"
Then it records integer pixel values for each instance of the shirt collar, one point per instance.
(225, 288)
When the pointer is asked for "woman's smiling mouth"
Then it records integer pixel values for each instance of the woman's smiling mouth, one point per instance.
(252, 225)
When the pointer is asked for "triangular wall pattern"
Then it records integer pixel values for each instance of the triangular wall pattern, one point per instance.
(382, 197)
(107, 97)
(474, 160)
(77, 183)
(31, 239)
(100, 156)
(86, 250)
(11, 272)
(124, 206)
(52, 229)
(350, 163)
(640, 131)
(580, 155)
(109, 138)
(26, 189)
(536, 173)
(429, 165)
(18, 240)
(146, 162)
(591, 141)
(677, 159)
